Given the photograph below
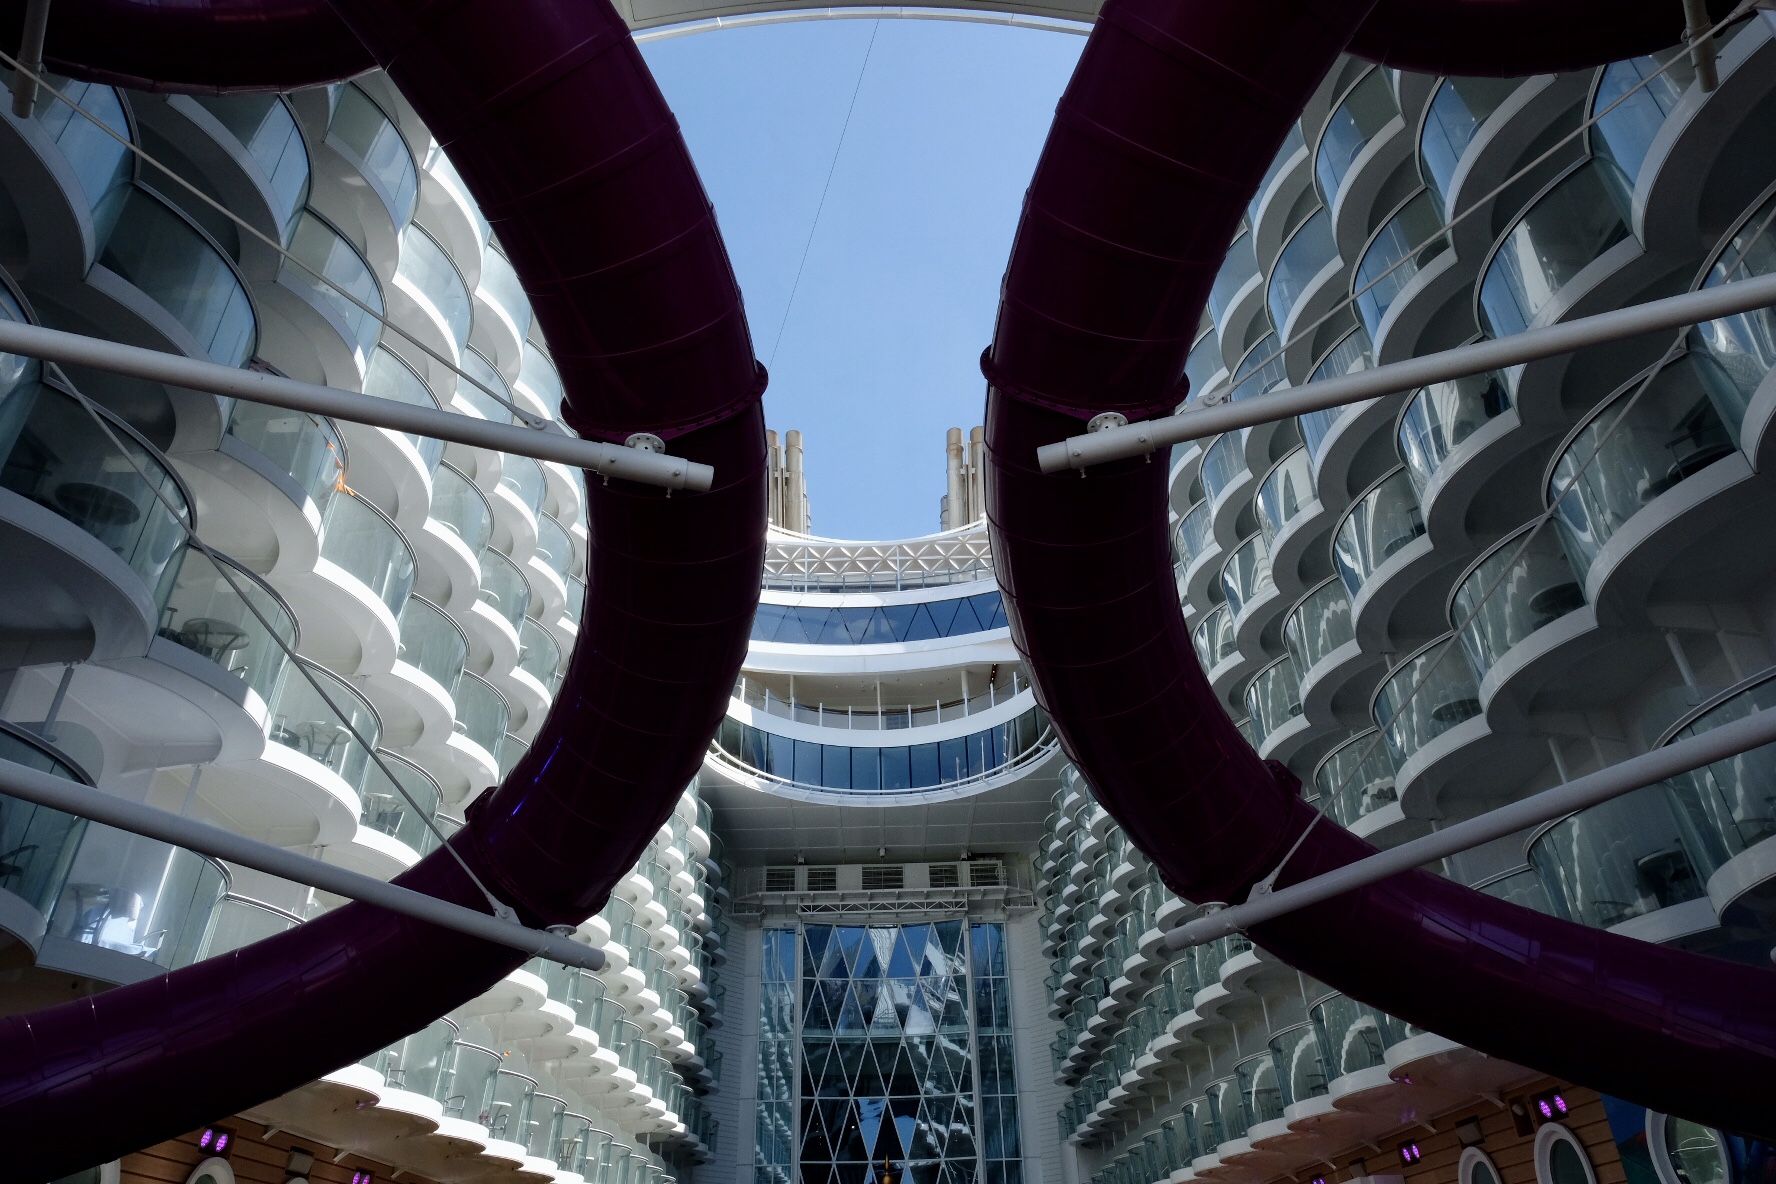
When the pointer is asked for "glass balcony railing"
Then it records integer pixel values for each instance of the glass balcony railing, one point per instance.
(1295, 1059)
(217, 615)
(539, 654)
(1247, 732)
(241, 921)
(887, 769)
(461, 508)
(56, 454)
(554, 548)
(444, 172)
(431, 274)
(1359, 117)
(1246, 575)
(1194, 531)
(1208, 1136)
(423, 1063)
(501, 288)
(1425, 696)
(504, 588)
(510, 1117)
(1352, 353)
(328, 271)
(872, 718)
(1283, 492)
(1229, 1115)
(433, 643)
(1223, 464)
(1353, 1036)
(481, 712)
(37, 844)
(103, 166)
(1566, 227)
(1274, 697)
(1202, 363)
(1303, 257)
(365, 543)
(1214, 637)
(1375, 528)
(1410, 238)
(1631, 450)
(1444, 414)
(266, 128)
(1510, 593)
(575, 605)
(482, 387)
(175, 264)
(1319, 624)
(468, 1086)
(1212, 957)
(1456, 112)
(1292, 143)
(1617, 860)
(1741, 347)
(1260, 370)
(1729, 806)
(1630, 104)
(1520, 887)
(1261, 1088)
(138, 896)
(538, 376)
(306, 447)
(1355, 779)
(523, 476)
(1237, 269)
(301, 719)
(388, 377)
(402, 807)
(368, 138)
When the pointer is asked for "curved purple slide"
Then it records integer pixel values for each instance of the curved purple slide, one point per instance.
(613, 236)
(1168, 124)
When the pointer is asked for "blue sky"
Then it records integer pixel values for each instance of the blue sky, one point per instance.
(881, 351)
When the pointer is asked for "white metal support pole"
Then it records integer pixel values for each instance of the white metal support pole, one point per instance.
(1637, 772)
(1147, 436)
(30, 56)
(58, 793)
(607, 460)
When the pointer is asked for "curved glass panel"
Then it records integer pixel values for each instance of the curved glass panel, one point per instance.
(1214, 637)
(1522, 887)
(1274, 697)
(889, 769)
(1203, 362)
(1456, 112)
(1614, 465)
(431, 274)
(1695, 1152)
(924, 620)
(420, 1064)
(1300, 1073)
(575, 605)
(1355, 779)
(1511, 593)
(1194, 532)
(500, 287)
(480, 712)
(524, 477)
(102, 166)
(1359, 117)
(479, 373)
(538, 376)
(1261, 370)
(1283, 492)
(461, 508)
(1400, 249)
(1728, 807)
(218, 616)
(302, 720)
(1303, 257)
(307, 447)
(54, 453)
(1228, 1115)
(503, 587)
(1246, 574)
(1223, 464)
(1261, 1088)
(1444, 414)
(468, 1088)
(539, 654)
(266, 128)
(39, 842)
(316, 247)
(370, 140)
(364, 543)
(1632, 100)
(1424, 697)
(1292, 143)
(138, 896)
(554, 549)
(388, 377)
(1377, 526)
(432, 643)
(402, 807)
(440, 167)
(155, 248)
(1741, 347)
(1239, 267)
(1616, 860)
(1318, 625)
(1347, 357)
(1353, 1036)
(1574, 221)
(241, 921)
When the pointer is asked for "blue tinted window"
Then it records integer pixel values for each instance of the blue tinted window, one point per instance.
(955, 617)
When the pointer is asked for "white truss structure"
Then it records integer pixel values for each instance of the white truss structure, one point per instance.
(808, 563)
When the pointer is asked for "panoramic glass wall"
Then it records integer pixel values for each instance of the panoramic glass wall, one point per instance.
(899, 1068)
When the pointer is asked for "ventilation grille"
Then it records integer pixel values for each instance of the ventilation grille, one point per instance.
(823, 879)
(780, 879)
(986, 873)
(880, 877)
(943, 875)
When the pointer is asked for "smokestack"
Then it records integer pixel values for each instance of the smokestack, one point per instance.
(774, 477)
(795, 489)
(977, 474)
(955, 507)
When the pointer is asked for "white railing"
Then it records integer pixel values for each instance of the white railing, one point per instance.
(876, 719)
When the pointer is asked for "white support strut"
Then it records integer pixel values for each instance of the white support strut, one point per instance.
(59, 793)
(607, 460)
(1637, 772)
(1147, 436)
